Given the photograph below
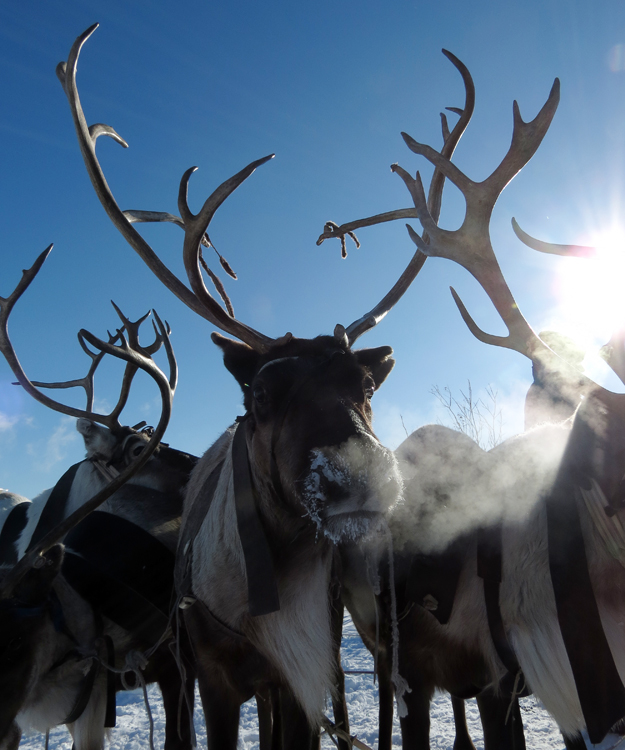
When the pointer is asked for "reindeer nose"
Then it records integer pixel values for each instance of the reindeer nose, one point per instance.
(333, 491)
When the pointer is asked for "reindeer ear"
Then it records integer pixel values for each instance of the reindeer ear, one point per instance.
(240, 359)
(379, 362)
(35, 586)
(88, 430)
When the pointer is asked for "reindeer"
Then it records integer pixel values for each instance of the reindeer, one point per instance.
(372, 614)
(267, 503)
(543, 508)
(61, 633)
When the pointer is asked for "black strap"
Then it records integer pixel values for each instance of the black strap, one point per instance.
(11, 530)
(84, 693)
(197, 514)
(54, 510)
(489, 568)
(110, 717)
(599, 687)
(262, 589)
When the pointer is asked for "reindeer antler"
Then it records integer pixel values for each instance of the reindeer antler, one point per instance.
(195, 226)
(110, 420)
(137, 358)
(450, 141)
(470, 245)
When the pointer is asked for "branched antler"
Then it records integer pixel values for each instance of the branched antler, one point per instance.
(198, 298)
(124, 345)
(110, 420)
(470, 245)
(450, 141)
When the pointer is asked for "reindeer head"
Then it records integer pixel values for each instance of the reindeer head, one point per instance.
(309, 429)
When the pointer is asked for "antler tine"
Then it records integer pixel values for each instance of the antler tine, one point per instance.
(163, 332)
(31, 387)
(86, 382)
(6, 307)
(132, 330)
(450, 141)
(470, 246)
(195, 226)
(141, 217)
(138, 360)
(578, 251)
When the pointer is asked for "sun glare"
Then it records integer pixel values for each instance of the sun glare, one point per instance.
(591, 303)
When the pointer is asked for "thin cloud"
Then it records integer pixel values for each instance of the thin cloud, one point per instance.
(56, 447)
(7, 422)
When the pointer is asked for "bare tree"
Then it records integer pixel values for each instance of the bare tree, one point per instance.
(480, 419)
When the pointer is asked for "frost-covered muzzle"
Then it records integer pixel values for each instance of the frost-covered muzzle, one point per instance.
(350, 488)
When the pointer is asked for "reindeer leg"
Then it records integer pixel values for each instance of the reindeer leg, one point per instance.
(297, 734)
(265, 720)
(177, 733)
(339, 703)
(386, 694)
(278, 719)
(499, 735)
(415, 727)
(221, 713)
(220, 701)
(463, 738)
(12, 738)
(574, 742)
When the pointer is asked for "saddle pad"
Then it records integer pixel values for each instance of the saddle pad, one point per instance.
(124, 572)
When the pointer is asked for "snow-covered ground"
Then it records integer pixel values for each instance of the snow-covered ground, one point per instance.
(132, 730)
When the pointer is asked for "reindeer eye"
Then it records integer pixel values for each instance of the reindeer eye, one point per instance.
(134, 449)
(260, 395)
(369, 389)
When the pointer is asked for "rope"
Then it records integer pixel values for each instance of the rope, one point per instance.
(176, 653)
(516, 692)
(334, 732)
(401, 685)
(373, 579)
(136, 662)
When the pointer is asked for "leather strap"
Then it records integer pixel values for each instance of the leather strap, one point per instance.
(54, 510)
(197, 514)
(489, 567)
(11, 530)
(599, 687)
(262, 589)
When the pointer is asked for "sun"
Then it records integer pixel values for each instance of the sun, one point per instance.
(590, 291)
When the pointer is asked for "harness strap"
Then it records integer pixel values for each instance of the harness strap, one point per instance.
(11, 529)
(84, 694)
(54, 510)
(489, 567)
(599, 687)
(262, 589)
(110, 717)
(182, 568)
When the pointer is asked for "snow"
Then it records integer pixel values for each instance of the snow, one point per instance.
(132, 730)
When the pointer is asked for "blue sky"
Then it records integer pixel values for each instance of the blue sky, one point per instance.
(328, 87)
